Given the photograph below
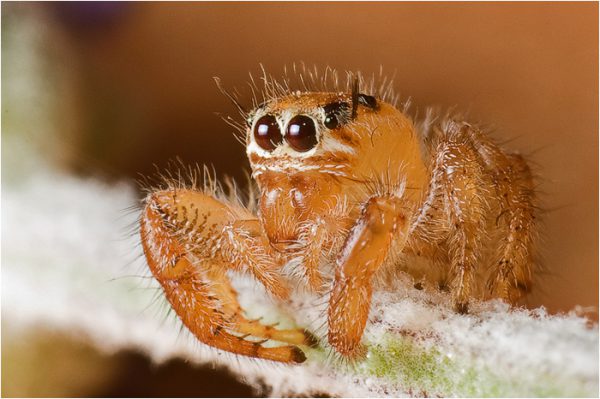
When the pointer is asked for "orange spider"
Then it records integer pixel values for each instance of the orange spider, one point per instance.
(348, 185)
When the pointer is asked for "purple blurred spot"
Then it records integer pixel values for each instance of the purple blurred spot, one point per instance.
(89, 17)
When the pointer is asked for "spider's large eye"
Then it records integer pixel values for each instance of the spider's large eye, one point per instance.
(266, 133)
(301, 133)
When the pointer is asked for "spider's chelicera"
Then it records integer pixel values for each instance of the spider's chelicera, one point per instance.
(348, 185)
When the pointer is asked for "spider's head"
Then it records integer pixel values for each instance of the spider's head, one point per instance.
(304, 149)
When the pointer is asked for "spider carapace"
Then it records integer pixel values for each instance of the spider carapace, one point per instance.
(348, 186)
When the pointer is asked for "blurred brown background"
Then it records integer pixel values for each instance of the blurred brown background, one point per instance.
(144, 92)
(530, 71)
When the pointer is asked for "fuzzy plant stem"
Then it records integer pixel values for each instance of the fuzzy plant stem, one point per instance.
(69, 263)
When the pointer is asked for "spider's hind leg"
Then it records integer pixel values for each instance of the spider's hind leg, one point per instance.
(511, 276)
(454, 209)
(513, 199)
(462, 188)
(190, 240)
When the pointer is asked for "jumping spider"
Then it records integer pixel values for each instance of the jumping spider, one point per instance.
(349, 185)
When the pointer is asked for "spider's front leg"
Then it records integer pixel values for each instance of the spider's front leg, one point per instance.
(191, 240)
(383, 221)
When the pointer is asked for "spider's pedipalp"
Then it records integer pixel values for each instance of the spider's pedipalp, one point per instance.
(189, 251)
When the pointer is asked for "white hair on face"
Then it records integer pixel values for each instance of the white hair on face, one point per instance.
(327, 144)
(281, 151)
(331, 144)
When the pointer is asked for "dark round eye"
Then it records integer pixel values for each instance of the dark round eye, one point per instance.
(266, 133)
(331, 121)
(334, 114)
(301, 133)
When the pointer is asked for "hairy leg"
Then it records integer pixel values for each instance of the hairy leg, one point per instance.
(454, 209)
(513, 185)
(511, 276)
(320, 239)
(190, 240)
(367, 246)
(312, 240)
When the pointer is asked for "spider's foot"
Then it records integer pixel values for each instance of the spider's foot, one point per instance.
(461, 307)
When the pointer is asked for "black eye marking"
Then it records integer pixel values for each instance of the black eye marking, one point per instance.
(362, 99)
(368, 101)
(336, 114)
(355, 94)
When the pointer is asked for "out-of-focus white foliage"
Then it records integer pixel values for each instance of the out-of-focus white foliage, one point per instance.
(68, 262)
